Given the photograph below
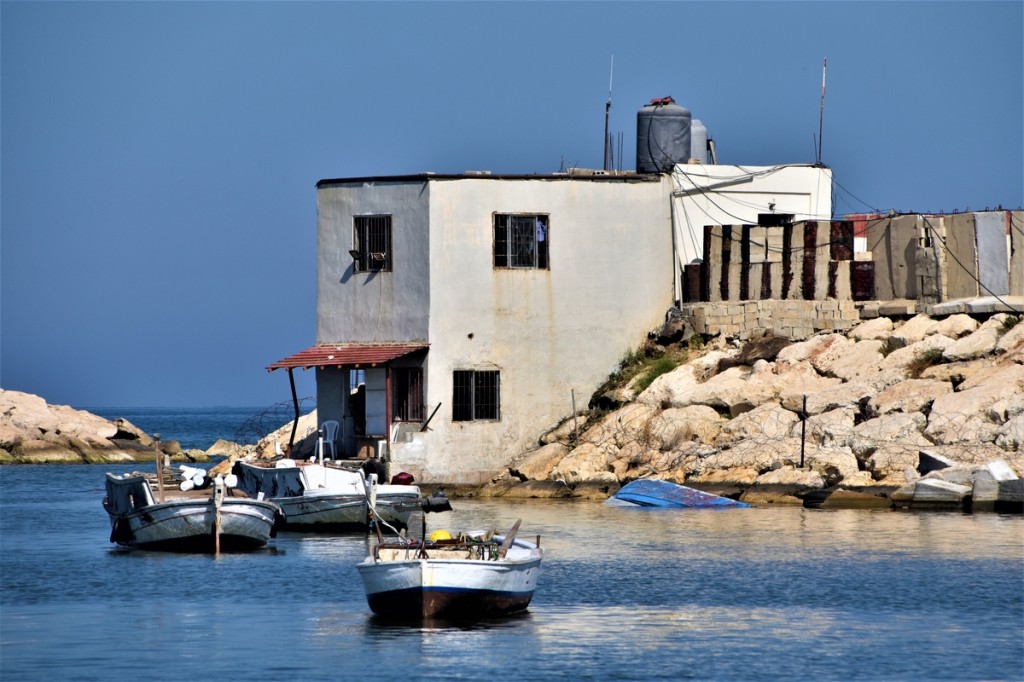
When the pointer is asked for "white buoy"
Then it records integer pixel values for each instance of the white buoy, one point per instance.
(231, 481)
(186, 486)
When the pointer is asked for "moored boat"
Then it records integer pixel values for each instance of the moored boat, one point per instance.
(209, 524)
(319, 497)
(473, 575)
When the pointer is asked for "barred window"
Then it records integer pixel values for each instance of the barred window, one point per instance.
(372, 243)
(476, 395)
(521, 241)
(407, 394)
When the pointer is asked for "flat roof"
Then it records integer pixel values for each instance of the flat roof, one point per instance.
(586, 175)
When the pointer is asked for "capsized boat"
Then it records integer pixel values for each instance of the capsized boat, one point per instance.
(472, 575)
(320, 497)
(208, 523)
(648, 492)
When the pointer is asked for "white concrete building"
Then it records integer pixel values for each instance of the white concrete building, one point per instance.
(479, 309)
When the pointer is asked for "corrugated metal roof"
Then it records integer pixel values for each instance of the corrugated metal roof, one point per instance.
(347, 355)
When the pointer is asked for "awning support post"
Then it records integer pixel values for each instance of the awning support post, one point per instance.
(295, 404)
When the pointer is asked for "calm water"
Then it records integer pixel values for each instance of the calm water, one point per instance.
(201, 428)
(746, 594)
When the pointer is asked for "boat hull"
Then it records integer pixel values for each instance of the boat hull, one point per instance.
(324, 512)
(420, 588)
(655, 493)
(188, 526)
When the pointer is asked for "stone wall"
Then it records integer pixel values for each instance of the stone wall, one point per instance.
(795, 320)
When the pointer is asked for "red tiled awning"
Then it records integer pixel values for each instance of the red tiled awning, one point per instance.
(346, 355)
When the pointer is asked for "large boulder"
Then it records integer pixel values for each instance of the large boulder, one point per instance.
(34, 432)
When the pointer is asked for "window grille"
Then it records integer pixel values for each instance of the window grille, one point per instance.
(520, 241)
(407, 394)
(372, 238)
(476, 395)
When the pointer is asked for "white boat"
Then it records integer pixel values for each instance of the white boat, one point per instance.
(318, 497)
(210, 523)
(474, 575)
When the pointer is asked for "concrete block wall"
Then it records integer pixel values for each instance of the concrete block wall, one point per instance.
(795, 320)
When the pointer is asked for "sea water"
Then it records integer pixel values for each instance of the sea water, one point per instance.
(200, 428)
(634, 594)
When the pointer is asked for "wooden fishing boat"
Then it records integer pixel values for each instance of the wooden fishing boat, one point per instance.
(209, 523)
(655, 493)
(317, 497)
(474, 575)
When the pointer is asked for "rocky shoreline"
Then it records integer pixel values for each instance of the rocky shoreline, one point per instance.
(918, 413)
(773, 421)
(35, 432)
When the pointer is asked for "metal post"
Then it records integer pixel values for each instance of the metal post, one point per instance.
(159, 466)
(803, 432)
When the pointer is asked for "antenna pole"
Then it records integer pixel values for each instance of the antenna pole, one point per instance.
(607, 111)
(821, 111)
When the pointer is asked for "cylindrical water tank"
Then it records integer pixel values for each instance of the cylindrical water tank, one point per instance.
(662, 136)
(698, 141)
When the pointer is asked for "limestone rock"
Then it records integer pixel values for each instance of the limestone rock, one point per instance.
(537, 465)
(977, 344)
(911, 331)
(960, 416)
(956, 326)
(912, 395)
(821, 351)
(845, 395)
(677, 425)
(881, 432)
(828, 429)
(766, 421)
(788, 475)
(588, 462)
(917, 351)
(671, 389)
(879, 328)
(1011, 340)
(861, 359)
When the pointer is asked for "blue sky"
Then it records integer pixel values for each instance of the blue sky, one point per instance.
(158, 161)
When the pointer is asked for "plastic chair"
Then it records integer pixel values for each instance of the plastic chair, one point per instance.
(330, 431)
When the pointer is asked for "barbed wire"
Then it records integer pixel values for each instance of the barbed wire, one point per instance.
(257, 427)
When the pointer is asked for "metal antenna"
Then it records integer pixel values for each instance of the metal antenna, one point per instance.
(607, 111)
(821, 111)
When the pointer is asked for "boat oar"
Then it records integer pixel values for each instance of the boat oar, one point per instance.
(510, 537)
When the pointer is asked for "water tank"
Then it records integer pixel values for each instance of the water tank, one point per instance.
(662, 136)
(698, 142)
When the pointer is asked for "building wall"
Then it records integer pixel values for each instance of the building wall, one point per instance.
(368, 307)
(731, 195)
(553, 334)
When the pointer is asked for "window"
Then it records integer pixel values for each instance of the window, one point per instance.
(372, 243)
(520, 241)
(477, 395)
(407, 394)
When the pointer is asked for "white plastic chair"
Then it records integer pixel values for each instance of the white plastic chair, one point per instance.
(330, 432)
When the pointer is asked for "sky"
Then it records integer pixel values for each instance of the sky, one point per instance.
(158, 161)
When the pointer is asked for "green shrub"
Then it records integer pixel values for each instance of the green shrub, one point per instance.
(924, 360)
(654, 370)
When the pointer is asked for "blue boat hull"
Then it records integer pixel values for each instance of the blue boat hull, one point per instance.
(652, 493)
